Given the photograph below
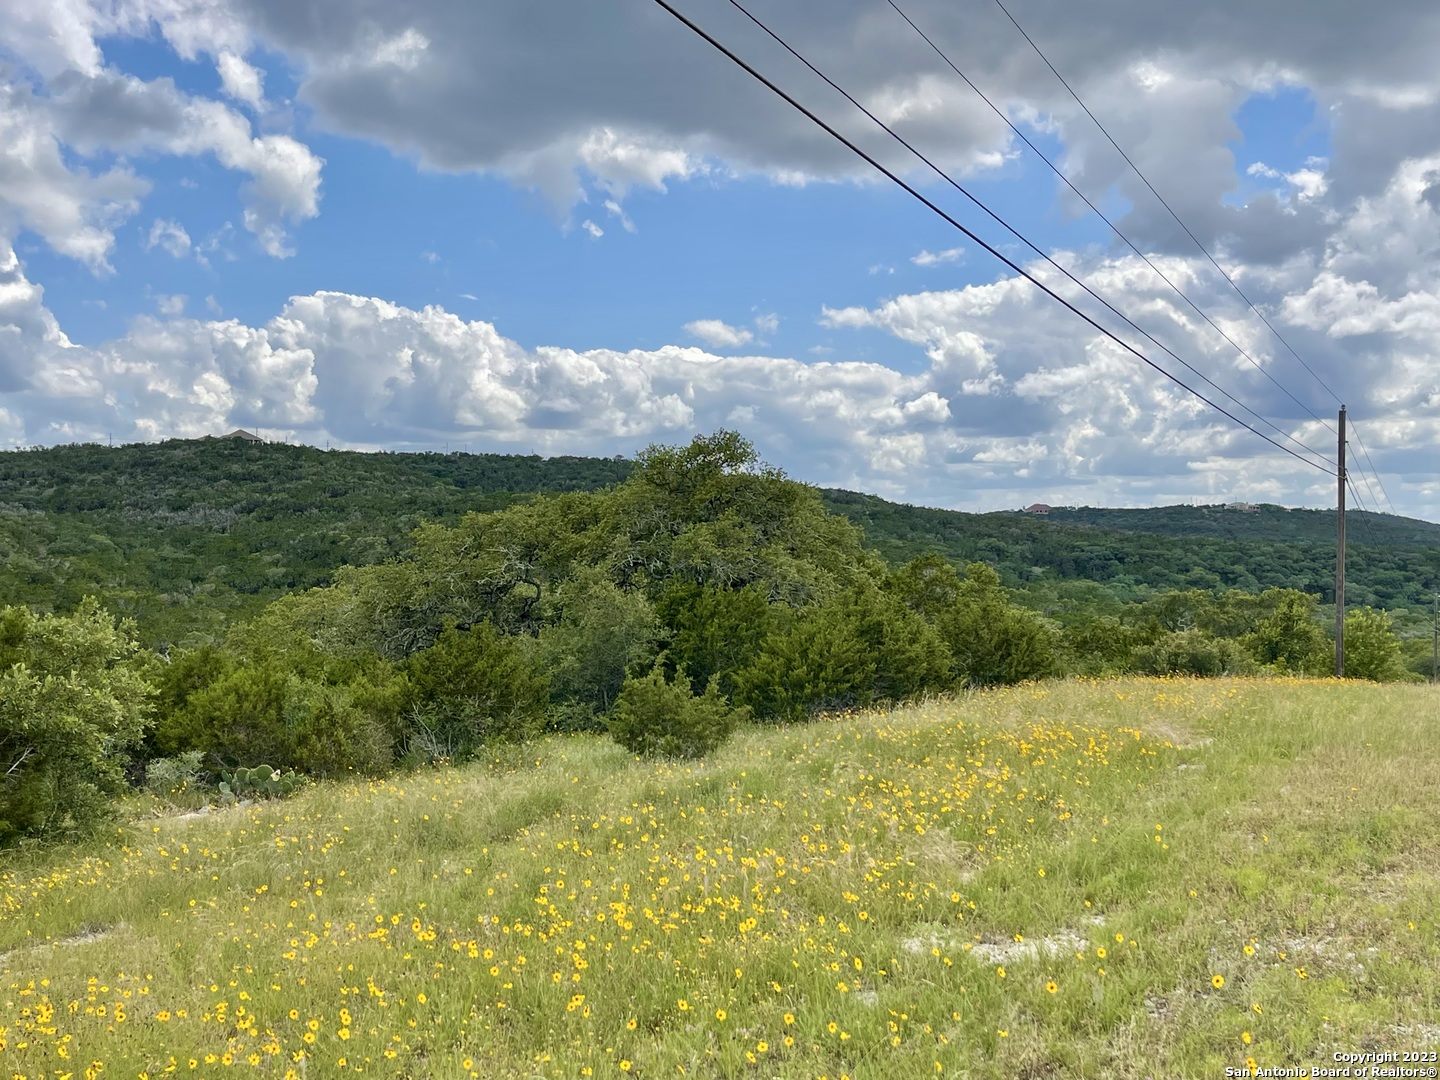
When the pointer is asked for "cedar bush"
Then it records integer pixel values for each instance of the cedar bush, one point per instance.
(471, 687)
(993, 641)
(1193, 652)
(818, 662)
(290, 711)
(656, 717)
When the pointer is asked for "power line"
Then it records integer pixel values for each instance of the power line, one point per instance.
(1173, 214)
(914, 193)
(1371, 491)
(1102, 216)
(1360, 443)
(1204, 250)
(1354, 492)
(1015, 233)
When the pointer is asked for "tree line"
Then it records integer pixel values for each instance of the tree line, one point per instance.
(703, 591)
(189, 536)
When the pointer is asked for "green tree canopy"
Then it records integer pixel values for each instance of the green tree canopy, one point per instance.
(73, 700)
(1372, 651)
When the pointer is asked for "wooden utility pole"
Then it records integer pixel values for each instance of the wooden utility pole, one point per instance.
(1340, 556)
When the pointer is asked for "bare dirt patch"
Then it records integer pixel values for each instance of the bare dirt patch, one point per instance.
(1001, 952)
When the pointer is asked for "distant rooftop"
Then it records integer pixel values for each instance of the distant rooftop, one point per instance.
(238, 433)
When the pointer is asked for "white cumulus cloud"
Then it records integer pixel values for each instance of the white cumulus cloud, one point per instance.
(47, 140)
(938, 258)
(241, 80)
(169, 236)
(719, 334)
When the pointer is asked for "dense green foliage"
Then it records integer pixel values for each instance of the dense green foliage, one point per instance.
(1371, 648)
(656, 717)
(664, 600)
(189, 536)
(470, 687)
(1264, 522)
(703, 588)
(73, 699)
(295, 708)
(993, 642)
(1132, 554)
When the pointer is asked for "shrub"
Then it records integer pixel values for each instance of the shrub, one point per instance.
(471, 687)
(602, 634)
(993, 641)
(910, 656)
(177, 677)
(861, 647)
(263, 709)
(1192, 652)
(237, 717)
(659, 718)
(1372, 650)
(927, 585)
(168, 777)
(714, 632)
(818, 662)
(1289, 638)
(1098, 645)
(72, 701)
(573, 718)
(347, 727)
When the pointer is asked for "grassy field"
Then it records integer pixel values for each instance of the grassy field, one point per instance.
(1082, 879)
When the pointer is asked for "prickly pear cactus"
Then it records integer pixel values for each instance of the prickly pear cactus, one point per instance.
(259, 782)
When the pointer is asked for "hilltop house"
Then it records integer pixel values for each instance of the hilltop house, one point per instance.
(1040, 509)
(241, 434)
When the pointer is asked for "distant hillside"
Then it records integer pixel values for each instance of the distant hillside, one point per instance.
(187, 535)
(1155, 550)
(1277, 524)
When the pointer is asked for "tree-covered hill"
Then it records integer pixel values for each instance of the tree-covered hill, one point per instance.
(187, 535)
(1264, 521)
(1393, 562)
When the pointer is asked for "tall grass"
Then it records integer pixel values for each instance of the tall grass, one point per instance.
(1128, 878)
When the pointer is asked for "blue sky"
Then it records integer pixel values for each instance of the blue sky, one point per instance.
(682, 224)
(391, 227)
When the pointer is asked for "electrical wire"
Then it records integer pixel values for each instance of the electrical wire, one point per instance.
(1173, 214)
(1354, 492)
(1102, 216)
(1198, 243)
(1369, 490)
(1361, 443)
(915, 194)
(1017, 235)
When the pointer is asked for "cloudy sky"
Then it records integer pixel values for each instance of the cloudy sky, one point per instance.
(572, 227)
